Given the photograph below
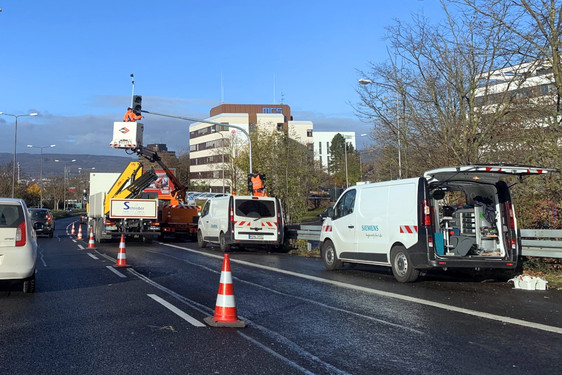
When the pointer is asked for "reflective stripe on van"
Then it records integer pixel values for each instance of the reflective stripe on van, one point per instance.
(410, 229)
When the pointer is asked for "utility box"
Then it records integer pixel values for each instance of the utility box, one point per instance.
(127, 134)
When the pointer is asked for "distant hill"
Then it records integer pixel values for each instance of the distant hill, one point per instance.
(30, 164)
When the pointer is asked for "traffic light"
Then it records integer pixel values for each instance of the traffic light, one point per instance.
(137, 104)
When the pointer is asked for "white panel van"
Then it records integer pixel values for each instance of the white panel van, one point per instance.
(457, 217)
(241, 220)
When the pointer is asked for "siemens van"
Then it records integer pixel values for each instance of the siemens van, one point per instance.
(241, 220)
(457, 217)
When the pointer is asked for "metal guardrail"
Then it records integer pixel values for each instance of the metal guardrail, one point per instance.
(545, 243)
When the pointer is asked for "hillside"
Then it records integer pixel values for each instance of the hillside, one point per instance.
(30, 165)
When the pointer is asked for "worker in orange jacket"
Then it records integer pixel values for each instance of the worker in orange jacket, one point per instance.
(257, 185)
(131, 116)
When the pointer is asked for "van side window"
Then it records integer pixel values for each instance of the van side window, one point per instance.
(345, 204)
(205, 210)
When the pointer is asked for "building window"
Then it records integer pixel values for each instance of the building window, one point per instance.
(279, 126)
(320, 147)
(309, 132)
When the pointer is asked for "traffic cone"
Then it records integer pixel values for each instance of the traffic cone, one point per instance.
(121, 255)
(225, 310)
(72, 232)
(79, 236)
(91, 242)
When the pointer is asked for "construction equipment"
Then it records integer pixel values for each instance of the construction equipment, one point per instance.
(176, 216)
(118, 206)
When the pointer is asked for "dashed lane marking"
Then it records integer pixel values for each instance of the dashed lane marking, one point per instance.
(177, 311)
(115, 271)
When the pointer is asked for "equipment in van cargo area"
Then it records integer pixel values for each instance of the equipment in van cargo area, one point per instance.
(457, 217)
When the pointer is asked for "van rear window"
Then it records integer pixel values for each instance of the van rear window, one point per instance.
(255, 208)
(11, 216)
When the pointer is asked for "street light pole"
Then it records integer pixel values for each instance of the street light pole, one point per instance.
(366, 81)
(212, 123)
(15, 143)
(64, 184)
(41, 173)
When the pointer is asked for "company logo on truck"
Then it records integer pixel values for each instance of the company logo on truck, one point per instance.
(370, 228)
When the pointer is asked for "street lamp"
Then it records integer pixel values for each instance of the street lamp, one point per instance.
(366, 81)
(64, 183)
(15, 142)
(41, 174)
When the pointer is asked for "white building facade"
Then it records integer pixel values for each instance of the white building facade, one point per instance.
(211, 146)
(323, 141)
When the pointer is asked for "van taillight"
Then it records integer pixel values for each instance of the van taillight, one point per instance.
(20, 235)
(426, 213)
(510, 215)
(231, 215)
(430, 242)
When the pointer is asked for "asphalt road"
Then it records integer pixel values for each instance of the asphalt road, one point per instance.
(87, 317)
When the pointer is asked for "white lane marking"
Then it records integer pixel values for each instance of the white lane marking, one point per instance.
(206, 310)
(275, 354)
(479, 314)
(42, 259)
(112, 269)
(93, 256)
(177, 311)
(81, 247)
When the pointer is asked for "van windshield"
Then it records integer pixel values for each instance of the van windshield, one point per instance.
(11, 216)
(255, 208)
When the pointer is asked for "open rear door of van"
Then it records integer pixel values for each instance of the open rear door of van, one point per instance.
(483, 172)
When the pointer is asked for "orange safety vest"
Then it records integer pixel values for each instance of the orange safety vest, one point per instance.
(130, 116)
(257, 183)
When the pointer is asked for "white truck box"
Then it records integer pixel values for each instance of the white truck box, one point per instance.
(127, 134)
(102, 182)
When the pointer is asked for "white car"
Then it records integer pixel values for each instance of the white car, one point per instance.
(18, 244)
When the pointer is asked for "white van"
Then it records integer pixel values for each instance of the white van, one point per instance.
(457, 217)
(18, 244)
(241, 220)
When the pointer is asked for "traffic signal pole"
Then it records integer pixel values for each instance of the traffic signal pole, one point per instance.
(209, 122)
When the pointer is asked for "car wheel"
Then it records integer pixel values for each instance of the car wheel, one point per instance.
(29, 284)
(222, 242)
(402, 267)
(329, 256)
(202, 243)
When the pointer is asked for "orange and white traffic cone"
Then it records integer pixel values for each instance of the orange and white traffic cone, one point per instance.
(79, 236)
(225, 310)
(121, 255)
(72, 232)
(91, 242)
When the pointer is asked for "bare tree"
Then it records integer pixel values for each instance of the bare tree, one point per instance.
(423, 100)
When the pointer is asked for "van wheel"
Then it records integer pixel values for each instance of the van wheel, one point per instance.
(331, 261)
(202, 243)
(29, 285)
(222, 242)
(402, 266)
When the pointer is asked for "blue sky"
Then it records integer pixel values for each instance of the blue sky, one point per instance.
(71, 61)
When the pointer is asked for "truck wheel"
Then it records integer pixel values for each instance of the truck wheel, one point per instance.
(402, 266)
(202, 243)
(329, 256)
(222, 242)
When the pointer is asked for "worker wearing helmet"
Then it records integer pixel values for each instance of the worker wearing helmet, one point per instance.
(131, 116)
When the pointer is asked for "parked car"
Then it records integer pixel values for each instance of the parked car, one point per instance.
(18, 244)
(43, 221)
